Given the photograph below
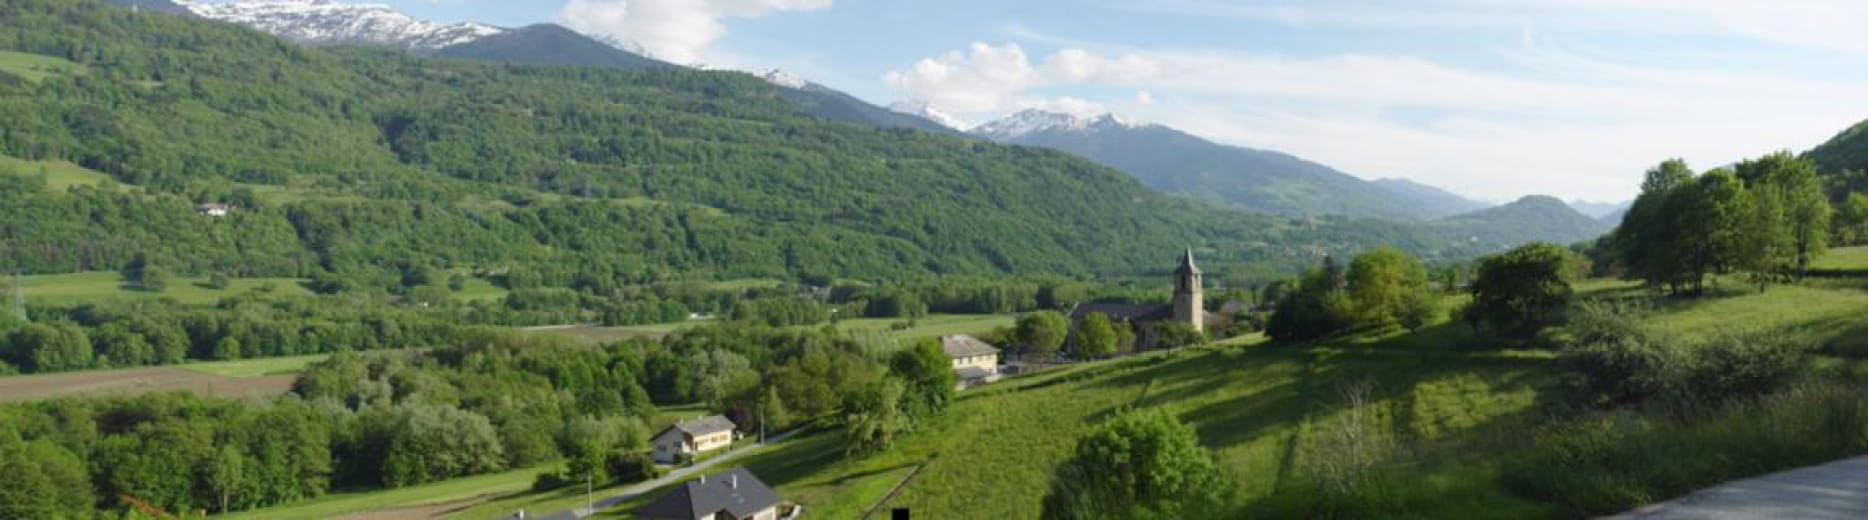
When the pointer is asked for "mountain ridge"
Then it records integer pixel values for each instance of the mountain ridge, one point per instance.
(326, 22)
(1175, 161)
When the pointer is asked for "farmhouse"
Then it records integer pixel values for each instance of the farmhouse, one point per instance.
(686, 439)
(214, 209)
(734, 495)
(1188, 307)
(974, 361)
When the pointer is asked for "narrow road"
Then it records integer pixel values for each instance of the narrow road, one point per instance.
(677, 475)
(1837, 490)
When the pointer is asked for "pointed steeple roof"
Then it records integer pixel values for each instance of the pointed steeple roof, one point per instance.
(1186, 265)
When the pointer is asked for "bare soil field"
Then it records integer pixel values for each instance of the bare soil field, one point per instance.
(139, 381)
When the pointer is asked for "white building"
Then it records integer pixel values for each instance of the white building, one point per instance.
(687, 439)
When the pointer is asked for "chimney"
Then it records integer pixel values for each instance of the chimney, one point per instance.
(703, 479)
(734, 482)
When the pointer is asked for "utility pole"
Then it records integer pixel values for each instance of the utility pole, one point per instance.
(589, 475)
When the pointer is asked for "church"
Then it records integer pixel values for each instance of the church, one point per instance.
(1188, 307)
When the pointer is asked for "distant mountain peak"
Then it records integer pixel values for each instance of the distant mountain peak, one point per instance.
(1034, 120)
(929, 112)
(326, 22)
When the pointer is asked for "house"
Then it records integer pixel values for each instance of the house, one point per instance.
(214, 209)
(974, 361)
(1188, 306)
(734, 495)
(685, 439)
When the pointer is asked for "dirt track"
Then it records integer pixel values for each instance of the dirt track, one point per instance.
(139, 381)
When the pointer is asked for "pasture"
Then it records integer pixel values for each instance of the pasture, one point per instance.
(97, 286)
(241, 379)
(37, 67)
(59, 176)
(423, 501)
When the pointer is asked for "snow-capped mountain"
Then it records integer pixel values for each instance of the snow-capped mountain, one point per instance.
(1033, 120)
(324, 22)
(929, 112)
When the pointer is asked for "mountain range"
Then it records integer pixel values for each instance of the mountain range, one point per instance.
(1263, 181)
(324, 22)
(1160, 157)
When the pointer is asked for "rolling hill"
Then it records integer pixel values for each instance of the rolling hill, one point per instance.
(1848, 150)
(1545, 218)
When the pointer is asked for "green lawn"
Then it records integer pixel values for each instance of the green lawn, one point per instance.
(100, 286)
(257, 367)
(59, 175)
(932, 326)
(1843, 259)
(36, 67)
(478, 289)
(461, 489)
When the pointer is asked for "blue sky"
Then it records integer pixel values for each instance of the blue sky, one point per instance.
(1493, 99)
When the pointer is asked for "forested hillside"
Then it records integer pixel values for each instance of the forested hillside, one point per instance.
(1846, 151)
(351, 161)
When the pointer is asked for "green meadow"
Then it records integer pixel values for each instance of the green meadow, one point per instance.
(36, 67)
(105, 286)
(59, 175)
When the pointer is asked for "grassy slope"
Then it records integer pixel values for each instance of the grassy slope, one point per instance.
(59, 175)
(1259, 409)
(336, 505)
(100, 286)
(989, 457)
(257, 367)
(34, 67)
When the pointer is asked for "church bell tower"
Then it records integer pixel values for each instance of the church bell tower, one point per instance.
(1189, 307)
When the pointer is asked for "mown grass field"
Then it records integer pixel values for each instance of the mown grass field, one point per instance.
(36, 67)
(108, 286)
(411, 502)
(257, 367)
(59, 175)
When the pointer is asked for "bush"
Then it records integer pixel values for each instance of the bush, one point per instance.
(1622, 364)
(628, 466)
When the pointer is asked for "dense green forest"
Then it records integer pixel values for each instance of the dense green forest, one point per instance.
(349, 160)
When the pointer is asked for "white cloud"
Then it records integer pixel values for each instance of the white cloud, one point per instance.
(983, 78)
(1064, 105)
(678, 31)
(1552, 122)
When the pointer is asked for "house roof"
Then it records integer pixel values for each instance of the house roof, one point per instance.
(972, 373)
(703, 426)
(736, 491)
(1124, 311)
(965, 346)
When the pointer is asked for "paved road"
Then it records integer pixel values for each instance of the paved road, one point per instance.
(1837, 490)
(677, 475)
